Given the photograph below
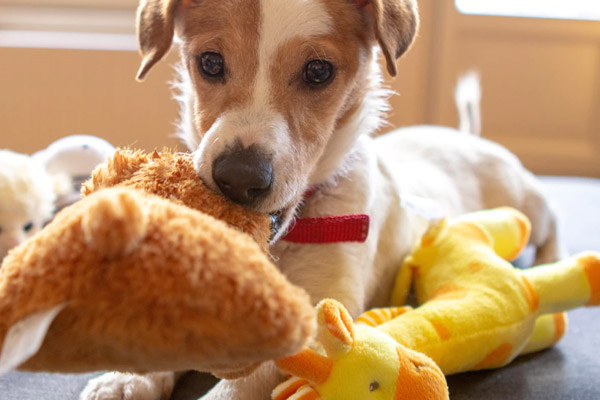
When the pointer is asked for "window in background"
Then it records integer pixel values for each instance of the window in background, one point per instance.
(561, 9)
(72, 24)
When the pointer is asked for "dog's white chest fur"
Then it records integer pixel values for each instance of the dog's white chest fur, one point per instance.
(360, 274)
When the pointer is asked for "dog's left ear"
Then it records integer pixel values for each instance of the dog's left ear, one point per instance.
(155, 29)
(396, 23)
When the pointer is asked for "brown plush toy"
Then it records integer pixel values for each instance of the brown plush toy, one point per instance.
(154, 272)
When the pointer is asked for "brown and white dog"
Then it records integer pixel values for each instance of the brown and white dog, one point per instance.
(279, 96)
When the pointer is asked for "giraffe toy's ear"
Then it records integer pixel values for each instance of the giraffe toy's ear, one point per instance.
(336, 335)
(335, 325)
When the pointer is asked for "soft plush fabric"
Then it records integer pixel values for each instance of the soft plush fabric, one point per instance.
(151, 283)
(570, 370)
(27, 199)
(477, 311)
(356, 360)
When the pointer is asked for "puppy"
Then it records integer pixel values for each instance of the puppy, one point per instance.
(26, 199)
(281, 97)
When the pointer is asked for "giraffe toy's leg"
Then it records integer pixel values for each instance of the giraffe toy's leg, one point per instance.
(570, 283)
(509, 229)
(548, 329)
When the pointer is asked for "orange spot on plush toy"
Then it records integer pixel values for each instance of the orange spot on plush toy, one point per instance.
(497, 357)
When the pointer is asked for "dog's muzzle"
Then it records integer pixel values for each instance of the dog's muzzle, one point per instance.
(243, 174)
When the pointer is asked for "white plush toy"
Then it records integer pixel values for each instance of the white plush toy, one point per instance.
(74, 157)
(32, 188)
(27, 199)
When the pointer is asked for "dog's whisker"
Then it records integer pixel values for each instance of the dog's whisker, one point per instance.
(317, 53)
(197, 45)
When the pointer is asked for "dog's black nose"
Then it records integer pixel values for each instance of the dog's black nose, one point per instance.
(244, 175)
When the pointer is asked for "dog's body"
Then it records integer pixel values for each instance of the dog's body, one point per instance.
(391, 176)
(278, 107)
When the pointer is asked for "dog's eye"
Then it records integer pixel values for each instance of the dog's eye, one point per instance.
(211, 65)
(318, 72)
(28, 227)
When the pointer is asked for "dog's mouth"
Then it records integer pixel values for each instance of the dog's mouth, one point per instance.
(280, 221)
(276, 222)
(283, 218)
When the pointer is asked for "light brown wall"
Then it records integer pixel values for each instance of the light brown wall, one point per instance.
(47, 94)
(413, 82)
(540, 81)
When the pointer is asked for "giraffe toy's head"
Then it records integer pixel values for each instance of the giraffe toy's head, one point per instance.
(358, 362)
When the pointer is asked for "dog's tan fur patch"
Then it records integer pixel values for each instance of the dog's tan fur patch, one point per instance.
(228, 27)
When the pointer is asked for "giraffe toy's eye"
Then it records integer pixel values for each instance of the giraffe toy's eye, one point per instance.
(373, 386)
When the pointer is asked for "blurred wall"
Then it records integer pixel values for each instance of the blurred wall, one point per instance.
(540, 80)
(46, 94)
(541, 89)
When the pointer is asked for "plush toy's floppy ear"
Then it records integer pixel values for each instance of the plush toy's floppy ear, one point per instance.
(115, 224)
(396, 23)
(155, 29)
(335, 327)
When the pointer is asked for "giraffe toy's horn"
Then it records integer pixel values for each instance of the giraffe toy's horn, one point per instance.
(336, 330)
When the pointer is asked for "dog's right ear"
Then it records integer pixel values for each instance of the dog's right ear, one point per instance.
(155, 29)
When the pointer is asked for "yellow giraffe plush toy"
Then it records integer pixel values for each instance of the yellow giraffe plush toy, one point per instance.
(476, 311)
(361, 362)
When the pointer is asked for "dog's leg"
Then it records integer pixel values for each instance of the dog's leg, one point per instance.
(545, 227)
(552, 249)
(257, 386)
(120, 386)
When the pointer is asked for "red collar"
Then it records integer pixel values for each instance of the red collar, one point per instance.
(323, 230)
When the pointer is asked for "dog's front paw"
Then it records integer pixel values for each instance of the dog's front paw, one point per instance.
(118, 386)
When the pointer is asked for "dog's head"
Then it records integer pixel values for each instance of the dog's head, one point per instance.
(275, 82)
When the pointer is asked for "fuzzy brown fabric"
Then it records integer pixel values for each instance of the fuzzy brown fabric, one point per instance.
(173, 177)
(150, 283)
